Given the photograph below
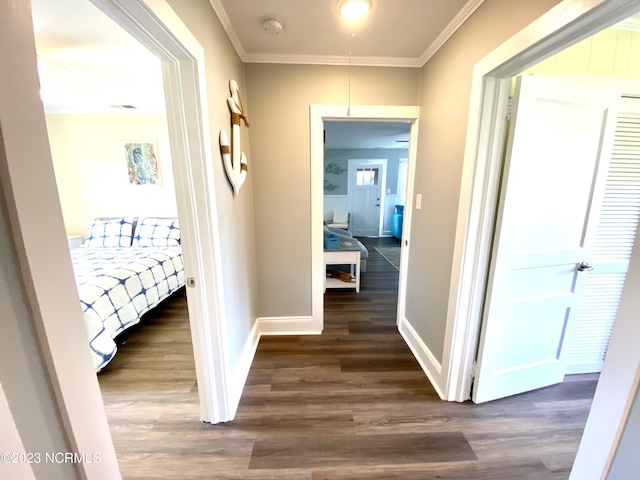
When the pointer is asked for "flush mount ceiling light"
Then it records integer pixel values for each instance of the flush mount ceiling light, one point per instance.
(354, 9)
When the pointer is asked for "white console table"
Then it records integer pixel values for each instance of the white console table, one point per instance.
(345, 255)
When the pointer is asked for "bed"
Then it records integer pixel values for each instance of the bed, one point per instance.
(123, 270)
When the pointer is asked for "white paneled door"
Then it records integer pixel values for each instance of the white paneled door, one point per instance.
(366, 187)
(554, 176)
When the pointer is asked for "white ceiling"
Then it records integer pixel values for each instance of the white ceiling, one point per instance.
(89, 64)
(396, 32)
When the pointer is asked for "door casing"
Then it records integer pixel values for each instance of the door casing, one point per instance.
(318, 115)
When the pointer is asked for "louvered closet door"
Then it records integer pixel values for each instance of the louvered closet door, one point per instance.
(616, 233)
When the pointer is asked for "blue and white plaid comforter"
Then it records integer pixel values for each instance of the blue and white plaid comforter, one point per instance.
(118, 285)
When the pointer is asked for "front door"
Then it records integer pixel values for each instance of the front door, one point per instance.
(365, 197)
(558, 149)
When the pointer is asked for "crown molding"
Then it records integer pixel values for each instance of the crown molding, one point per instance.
(463, 15)
(334, 60)
(226, 24)
(403, 62)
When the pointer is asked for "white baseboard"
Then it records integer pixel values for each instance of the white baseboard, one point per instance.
(579, 368)
(287, 326)
(264, 326)
(426, 359)
(239, 377)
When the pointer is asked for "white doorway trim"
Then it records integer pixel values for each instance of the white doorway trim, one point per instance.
(154, 24)
(353, 165)
(318, 114)
(564, 25)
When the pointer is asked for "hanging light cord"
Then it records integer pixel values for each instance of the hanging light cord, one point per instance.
(351, 35)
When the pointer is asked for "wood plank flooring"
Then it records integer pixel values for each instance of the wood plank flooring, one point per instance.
(351, 403)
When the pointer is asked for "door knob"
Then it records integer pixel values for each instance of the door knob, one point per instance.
(584, 267)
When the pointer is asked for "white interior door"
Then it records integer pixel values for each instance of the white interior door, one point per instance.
(366, 182)
(616, 232)
(559, 146)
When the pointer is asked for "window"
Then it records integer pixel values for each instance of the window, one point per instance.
(367, 177)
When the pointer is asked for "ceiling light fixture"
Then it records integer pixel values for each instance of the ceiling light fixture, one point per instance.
(354, 9)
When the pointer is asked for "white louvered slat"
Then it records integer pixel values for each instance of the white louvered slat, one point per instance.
(617, 228)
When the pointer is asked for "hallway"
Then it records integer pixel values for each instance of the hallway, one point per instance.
(351, 403)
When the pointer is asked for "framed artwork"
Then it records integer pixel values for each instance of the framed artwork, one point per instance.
(142, 163)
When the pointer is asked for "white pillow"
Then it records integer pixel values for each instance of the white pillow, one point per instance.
(157, 232)
(110, 232)
(340, 216)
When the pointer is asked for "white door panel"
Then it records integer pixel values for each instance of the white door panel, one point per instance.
(545, 229)
(616, 232)
(366, 187)
(366, 212)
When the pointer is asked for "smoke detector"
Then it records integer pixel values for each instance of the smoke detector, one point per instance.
(272, 25)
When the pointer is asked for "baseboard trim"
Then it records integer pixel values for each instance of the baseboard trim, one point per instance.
(580, 368)
(287, 326)
(425, 357)
(241, 372)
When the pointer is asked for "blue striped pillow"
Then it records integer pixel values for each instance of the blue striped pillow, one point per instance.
(157, 232)
(110, 232)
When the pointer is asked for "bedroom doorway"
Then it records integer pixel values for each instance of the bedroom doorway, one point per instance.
(182, 60)
(81, 117)
(102, 121)
(180, 57)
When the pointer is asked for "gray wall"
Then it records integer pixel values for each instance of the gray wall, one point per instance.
(445, 91)
(278, 101)
(235, 215)
(340, 157)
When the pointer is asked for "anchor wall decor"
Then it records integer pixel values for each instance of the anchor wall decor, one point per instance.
(235, 161)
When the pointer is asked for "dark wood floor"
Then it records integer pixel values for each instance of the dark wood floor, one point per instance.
(351, 403)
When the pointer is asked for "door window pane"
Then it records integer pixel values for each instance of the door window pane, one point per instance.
(367, 177)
